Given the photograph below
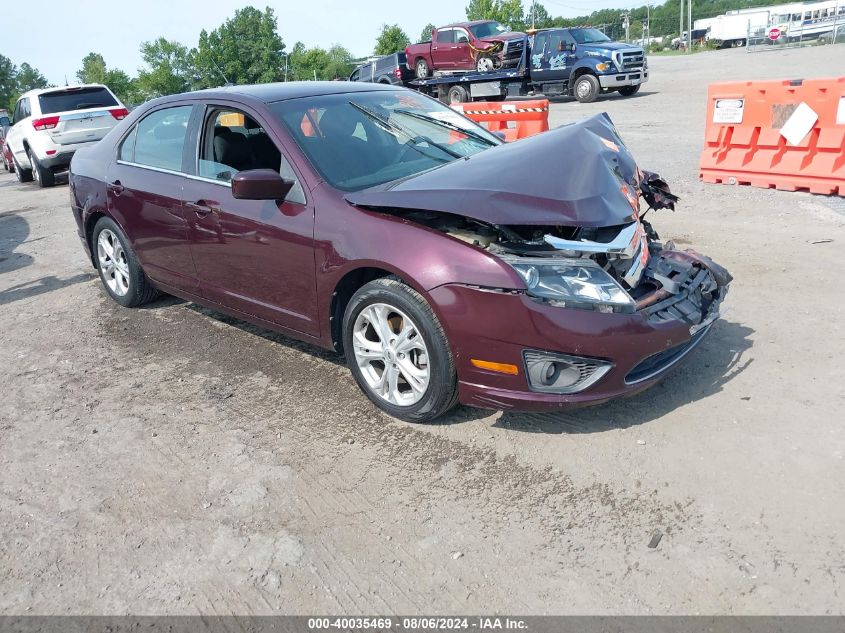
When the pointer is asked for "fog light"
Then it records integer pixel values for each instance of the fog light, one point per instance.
(561, 373)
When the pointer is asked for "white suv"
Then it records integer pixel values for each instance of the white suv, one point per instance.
(49, 125)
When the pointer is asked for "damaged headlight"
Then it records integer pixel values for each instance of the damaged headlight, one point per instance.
(572, 283)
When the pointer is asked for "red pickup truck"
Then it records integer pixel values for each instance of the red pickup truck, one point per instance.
(483, 45)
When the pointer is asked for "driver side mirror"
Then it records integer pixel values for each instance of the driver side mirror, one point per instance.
(572, 47)
(260, 184)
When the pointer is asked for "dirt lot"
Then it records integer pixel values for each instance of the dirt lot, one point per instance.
(172, 460)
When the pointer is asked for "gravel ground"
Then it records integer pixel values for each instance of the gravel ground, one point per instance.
(170, 460)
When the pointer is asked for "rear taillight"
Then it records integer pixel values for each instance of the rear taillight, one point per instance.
(119, 113)
(47, 123)
(397, 72)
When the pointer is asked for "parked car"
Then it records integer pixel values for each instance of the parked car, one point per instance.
(5, 123)
(50, 124)
(483, 46)
(390, 69)
(377, 222)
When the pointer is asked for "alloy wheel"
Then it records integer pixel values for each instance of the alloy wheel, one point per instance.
(114, 266)
(35, 174)
(583, 89)
(391, 354)
(484, 65)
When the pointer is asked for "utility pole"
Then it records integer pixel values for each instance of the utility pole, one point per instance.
(626, 22)
(689, 25)
(533, 12)
(681, 25)
(835, 20)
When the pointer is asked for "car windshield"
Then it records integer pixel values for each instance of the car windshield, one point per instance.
(487, 29)
(589, 36)
(363, 139)
(75, 99)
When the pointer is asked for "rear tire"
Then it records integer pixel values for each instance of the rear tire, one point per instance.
(421, 68)
(121, 273)
(24, 175)
(423, 356)
(586, 88)
(457, 94)
(43, 176)
(629, 91)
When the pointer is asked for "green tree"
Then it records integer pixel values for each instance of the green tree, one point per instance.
(392, 39)
(93, 69)
(29, 78)
(8, 82)
(508, 12)
(245, 49)
(340, 62)
(168, 69)
(425, 36)
(538, 17)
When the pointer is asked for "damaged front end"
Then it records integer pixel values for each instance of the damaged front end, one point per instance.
(572, 229)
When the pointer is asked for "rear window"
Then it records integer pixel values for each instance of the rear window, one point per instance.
(79, 99)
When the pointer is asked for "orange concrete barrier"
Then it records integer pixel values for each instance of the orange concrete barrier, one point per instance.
(782, 134)
(517, 119)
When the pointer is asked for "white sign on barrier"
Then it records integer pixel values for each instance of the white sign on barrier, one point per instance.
(728, 110)
(840, 112)
(799, 124)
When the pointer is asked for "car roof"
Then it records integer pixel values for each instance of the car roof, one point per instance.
(269, 93)
(40, 91)
(471, 23)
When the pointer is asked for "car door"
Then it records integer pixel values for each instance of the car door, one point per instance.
(256, 256)
(442, 49)
(145, 186)
(558, 56)
(462, 53)
(14, 137)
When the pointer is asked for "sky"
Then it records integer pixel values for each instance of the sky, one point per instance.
(56, 37)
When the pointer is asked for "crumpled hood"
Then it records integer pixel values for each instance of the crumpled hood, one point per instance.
(577, 175)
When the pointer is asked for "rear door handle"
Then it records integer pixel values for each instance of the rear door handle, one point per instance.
(115, 187)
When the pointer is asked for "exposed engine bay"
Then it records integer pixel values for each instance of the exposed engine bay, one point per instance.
(663, 284)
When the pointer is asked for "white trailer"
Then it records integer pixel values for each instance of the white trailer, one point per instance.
(733, 29)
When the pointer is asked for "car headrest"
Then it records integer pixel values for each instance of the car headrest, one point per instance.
(339, 122)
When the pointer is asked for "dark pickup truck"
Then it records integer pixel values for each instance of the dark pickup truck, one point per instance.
(578, 62)
(390, 69)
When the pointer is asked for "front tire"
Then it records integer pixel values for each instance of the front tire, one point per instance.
(586, 88)
(43, 176)
(485, 64)
(24, 175)
(421, 69)
(398, 352)
(629, 91)
(121, 273)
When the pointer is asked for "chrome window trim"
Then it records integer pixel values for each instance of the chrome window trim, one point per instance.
(162, 170)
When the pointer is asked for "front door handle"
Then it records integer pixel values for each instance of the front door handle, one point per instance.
(115, 187)
(201, 208)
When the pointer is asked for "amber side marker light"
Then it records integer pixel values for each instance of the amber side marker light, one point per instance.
(502, 368)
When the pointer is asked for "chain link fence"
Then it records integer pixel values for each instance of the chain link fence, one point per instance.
(807, 25)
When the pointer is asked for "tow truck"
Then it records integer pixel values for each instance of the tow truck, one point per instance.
(581, 62)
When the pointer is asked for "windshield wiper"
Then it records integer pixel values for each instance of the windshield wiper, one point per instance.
(390, 125)
(446, 124)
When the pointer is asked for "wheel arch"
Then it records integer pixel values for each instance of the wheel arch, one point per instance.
(348, 285)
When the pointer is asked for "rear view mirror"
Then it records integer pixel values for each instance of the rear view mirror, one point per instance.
(260, 184)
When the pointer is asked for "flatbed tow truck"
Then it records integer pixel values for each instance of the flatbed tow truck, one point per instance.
(580, 62)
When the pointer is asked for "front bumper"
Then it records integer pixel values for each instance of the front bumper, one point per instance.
(627, 78)
(498, 326)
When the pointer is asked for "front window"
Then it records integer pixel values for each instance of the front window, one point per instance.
(487, 29)
(589, 36)
(363, 139)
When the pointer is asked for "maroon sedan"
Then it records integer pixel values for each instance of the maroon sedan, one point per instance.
(374, 221)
